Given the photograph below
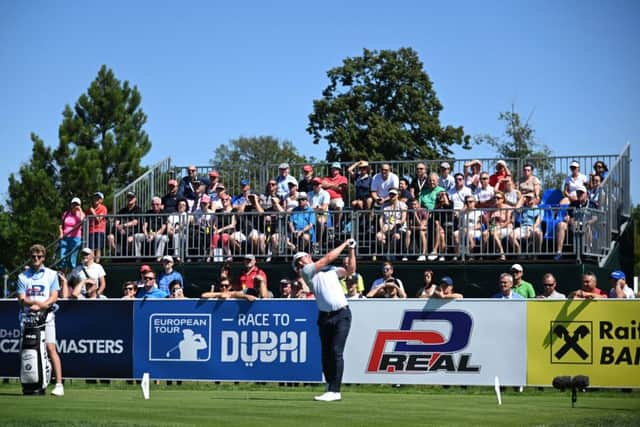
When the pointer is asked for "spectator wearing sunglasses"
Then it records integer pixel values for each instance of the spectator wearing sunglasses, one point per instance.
(149, 289)
(549, 288)
(129, 290)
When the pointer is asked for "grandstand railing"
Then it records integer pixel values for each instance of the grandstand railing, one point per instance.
(151, 183)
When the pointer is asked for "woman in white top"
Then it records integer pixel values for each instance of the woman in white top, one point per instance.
(470, 225)
(574, 180)
(529, 183)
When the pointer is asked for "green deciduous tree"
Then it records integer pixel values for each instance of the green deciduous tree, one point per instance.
(382, 106)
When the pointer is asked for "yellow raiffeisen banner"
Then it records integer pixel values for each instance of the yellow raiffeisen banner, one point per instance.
(600, 339)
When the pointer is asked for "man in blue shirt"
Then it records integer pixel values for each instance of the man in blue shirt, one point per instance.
(506, 285)
(38, 289)
(150, 289)
(302, 224)
(168, 275)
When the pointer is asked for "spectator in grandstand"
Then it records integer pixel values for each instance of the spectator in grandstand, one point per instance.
(154, 229)
(251, 225)
(512, 197)
(216, 199)
(521, 286)
(529, 183)
(355, 277)
(619, 287)
(381, 183)
(446, 180)
(129, 290)
(226, 292)
(37, 291)
(574, 180)
(223, 228)
(89, 275)
(416, 234)
(362, 179)
(389, 289)
(97, 224)
(291, 201)
(150, 289)
(190, 184)
(392, 225)
(496, 180)
(336, 185)
(445, 289)
(283, 180)
(201, 224)
(212, 185)
(168, 275)
(387, 273)
(144, 269)
(589, 289)
(287, 289)
(428, 285)
(71, 234)
(243, 197)
(471, 171)
(176, 290)
(306, 183)
(65, 290)
(470, 228)
(319, 200)
(352, 286)
(596, 192)
(485, 193)
(178, 229)
(459, 193)
(127, 225)
(577, 218)
(170, 200)
(403, 189)
(253, 277)
(301, 226)
(549, 288)
(429, 193)
(442, 223)
(530, 220)
(600, 169)
(419, 180)
(506, 284)
(500, 223)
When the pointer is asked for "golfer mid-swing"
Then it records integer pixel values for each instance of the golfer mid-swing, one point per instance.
(334, 319)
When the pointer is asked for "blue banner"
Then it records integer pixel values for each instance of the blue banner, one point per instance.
(227, 340)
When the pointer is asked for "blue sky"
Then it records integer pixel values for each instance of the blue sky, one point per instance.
(213, 71)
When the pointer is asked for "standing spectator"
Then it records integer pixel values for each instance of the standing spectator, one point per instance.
(471, 172)
(530, 220)
(576, 217)
(71, 234)
(306, 183)
(201, 224)
(419, 180)
(381, 183)
(283, 180)
(600, 169)
(573, 181)
(243, 197)
(500, 224)
(428, 285)
(445, 289)
(178, 229)
(362, 199)
(484, 193)
(446, 180)
(441, 225)
(596, 192)
(88, 275)
(129, 290)
(154, 229)
(319, 200)
(470, 227)
(619, 287)
(170, 200)
(127, 225)
(252, 276)
(416, 236)
(37, 291)
(521, 286)
(589, 289)
(168, 275)
(502, 171)
(506, 285)
(97, 224)
(529, 183)
(429, 193)
(387, 273)
(459, 193)
(189, 186)
(150, 289)
(549, 288)
(512, 197)
(301, 224)
(144, 268)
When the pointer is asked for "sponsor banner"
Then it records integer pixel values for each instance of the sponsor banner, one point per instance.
(436, 342)
(227, 340)
(93, 338)
(600, 339)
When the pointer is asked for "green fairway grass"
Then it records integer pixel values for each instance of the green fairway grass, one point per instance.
(272, 405)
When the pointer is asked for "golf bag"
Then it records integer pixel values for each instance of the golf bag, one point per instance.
(35, 366)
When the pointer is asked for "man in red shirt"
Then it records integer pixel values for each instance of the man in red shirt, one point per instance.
(502, 171)
(589, 288)
(253, 277)
(336, 185)
(97, 224)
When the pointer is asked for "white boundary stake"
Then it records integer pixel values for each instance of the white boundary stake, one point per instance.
(496, 386)
(145, 385)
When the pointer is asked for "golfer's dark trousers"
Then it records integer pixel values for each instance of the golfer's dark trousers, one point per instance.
(334, 328)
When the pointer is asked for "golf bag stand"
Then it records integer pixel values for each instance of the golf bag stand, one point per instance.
(35, 366)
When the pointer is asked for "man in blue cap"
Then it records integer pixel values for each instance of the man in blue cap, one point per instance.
(619, 287)
(445, 289)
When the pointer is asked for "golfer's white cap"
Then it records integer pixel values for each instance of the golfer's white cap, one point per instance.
(296, 257)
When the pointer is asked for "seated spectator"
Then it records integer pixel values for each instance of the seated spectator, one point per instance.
(88, 277)
(224, 226)
(381, 183)
(200, 227)
(283, 179)
(211, 187)
(429, 193)
(253, 277)
(577, 218)
(287, 289)
(269, 223)
(530, 225)
(319, 201)
(243, 197)
(127, 225)
(129, 290)
(497, 179)
(227, 292)
(387, 273)
(596, 192)
(355, 277)
(291, 201)
(589, 289)
(403, 189)
(419, 180)
(306, 183)
(520, 286)
(97, 224)
(144, 269)
(416, 235)
(600, 169)
(336, 185)
(471, 171)
(574, 180)
(619, 287)
(392, 224)
(512, 197)
(549, 288)
(221, 193)
(168, 275)
(428, 285)
(529, 183)
(176, 290)
(446, 180)
(484, 193)
(445, 289)
(500, 224)
(459, 193)
(150, 289)
(362, 199)
(351, 283)
(154, 229)
(189, 186)
(178, 230)
(506, 284)
(442, 223)
(389, 289)
(470, 227)
(301, 226)
(71, 234)
(170, 200)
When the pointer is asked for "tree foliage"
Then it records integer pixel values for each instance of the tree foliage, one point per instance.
(382, 106)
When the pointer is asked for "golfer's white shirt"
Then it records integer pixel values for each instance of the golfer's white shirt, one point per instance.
(325, 285)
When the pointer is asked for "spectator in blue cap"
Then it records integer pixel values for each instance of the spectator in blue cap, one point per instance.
(243, 197)
(619, 287)
(445, 289)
